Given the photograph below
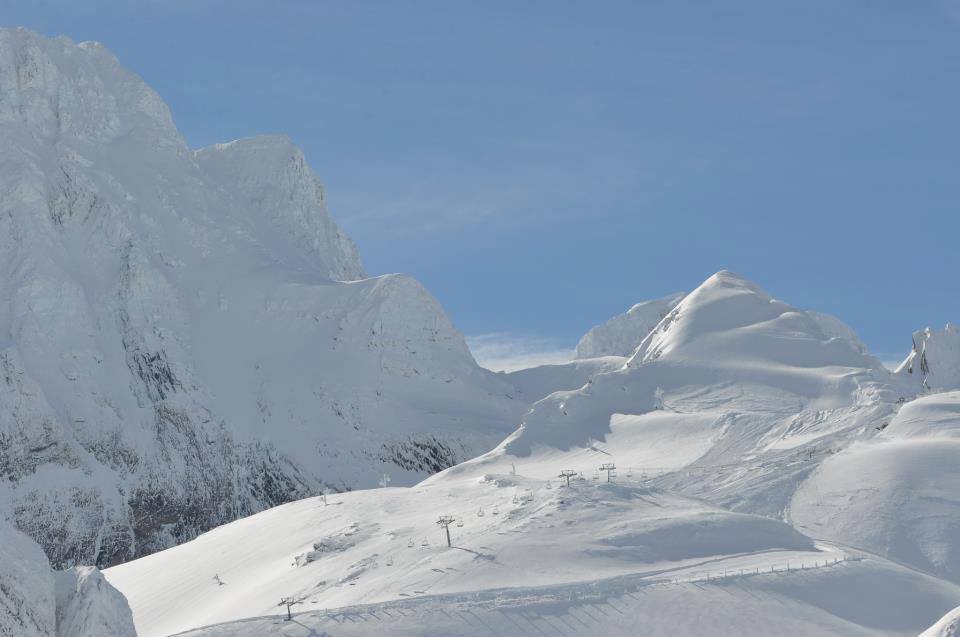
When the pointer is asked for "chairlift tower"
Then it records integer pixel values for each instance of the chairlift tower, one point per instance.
(445, 521)
(288, 602)
(567, 474)
(610, 468)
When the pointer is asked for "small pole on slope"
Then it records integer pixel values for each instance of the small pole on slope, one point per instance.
(384, 481)
(609, 467)
(445, 521)
(567, 474)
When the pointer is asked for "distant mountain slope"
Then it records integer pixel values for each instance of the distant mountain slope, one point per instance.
(621, 334)
(535, 383)
(744, 392)
(187, 337)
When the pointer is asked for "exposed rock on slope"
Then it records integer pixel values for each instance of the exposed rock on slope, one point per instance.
(186, 337)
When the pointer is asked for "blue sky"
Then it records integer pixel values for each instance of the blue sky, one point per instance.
(541, 166)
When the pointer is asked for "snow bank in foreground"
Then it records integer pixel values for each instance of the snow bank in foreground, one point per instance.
(27, 606)
(858, 598)
(88, 605)
(37, 602)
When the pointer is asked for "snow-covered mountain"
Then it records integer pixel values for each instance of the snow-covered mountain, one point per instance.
(186, 337)
(721, 434)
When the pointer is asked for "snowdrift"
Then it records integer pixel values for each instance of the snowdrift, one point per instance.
(37, 602)
(895, 494)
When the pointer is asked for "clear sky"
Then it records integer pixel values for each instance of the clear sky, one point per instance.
(542, 165)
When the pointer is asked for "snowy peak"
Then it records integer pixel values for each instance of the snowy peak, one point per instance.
(934, 360)
(60, 89)
(620, 335)
(270, 176)
(729, 318)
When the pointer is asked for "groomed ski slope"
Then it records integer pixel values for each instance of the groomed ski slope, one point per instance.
(851, 599)
(565, 551)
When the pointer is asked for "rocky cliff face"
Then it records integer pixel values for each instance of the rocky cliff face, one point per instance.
(187, 337)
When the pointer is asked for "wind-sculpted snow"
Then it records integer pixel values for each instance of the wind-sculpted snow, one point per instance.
(187, 337)
(37, 602)
(88, 605)
(934, 359)
(620, 335)
(535, 383)
(897, 493)
(948, 626)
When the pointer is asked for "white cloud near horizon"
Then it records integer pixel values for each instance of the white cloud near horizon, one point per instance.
(506, 352)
